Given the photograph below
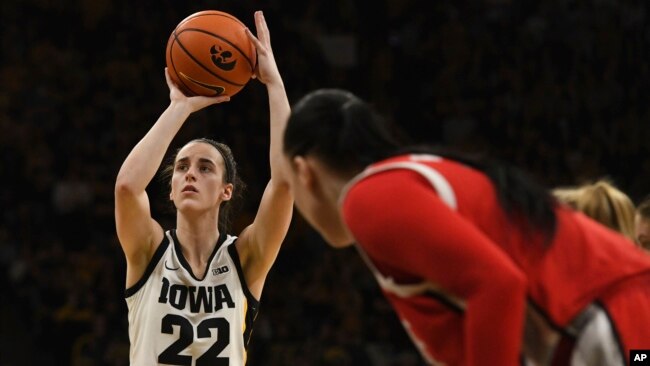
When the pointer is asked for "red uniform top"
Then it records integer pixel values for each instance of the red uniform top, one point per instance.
(458, 273)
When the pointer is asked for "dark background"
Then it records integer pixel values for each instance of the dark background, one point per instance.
(557, 87)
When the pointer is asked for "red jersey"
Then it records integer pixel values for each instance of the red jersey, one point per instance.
(459, 273)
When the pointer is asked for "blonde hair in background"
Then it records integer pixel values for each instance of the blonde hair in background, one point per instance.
(602, 201)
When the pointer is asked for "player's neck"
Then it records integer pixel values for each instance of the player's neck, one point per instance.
(332, 182)
(197, 238)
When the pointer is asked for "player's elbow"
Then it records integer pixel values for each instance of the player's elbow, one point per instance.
(124, 187)
(280, 186)
(509, 281)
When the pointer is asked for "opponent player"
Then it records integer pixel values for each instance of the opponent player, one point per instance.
(192, 292)
(469, 253)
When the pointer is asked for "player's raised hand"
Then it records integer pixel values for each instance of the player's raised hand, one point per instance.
(194, 103)
(266, 70)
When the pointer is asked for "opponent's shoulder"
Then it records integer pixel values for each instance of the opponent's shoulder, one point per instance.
(398, 171)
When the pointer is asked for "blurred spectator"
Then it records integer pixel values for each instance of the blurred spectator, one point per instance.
(642, 224)
(602, 201)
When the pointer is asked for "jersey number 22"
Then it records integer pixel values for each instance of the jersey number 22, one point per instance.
(172, 356)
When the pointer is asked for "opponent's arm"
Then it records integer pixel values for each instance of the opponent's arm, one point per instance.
(137, 232)
(260, 242)
(418, 234)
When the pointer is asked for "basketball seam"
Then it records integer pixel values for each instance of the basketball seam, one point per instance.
(178, 77)
(180, 44)
(203, 66)
(250, 63)
(200, 64)
(177, 33)
(215, 12)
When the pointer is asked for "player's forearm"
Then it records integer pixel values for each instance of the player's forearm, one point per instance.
(143, 161)
(500, 307)
(279, 110)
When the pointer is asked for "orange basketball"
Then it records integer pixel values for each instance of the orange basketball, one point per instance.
(209, 54)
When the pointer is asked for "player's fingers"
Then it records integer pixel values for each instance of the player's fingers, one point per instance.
(220, 99)
(262, 28)
(168, 78)
(254, 39)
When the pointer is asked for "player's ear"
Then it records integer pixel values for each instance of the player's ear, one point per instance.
(226, 195)
(304, 171)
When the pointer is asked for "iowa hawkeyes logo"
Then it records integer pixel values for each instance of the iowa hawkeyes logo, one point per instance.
(221, 58)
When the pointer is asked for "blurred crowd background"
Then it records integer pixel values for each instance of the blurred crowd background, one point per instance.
(557, 87)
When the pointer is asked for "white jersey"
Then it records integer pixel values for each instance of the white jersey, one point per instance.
(176, 318)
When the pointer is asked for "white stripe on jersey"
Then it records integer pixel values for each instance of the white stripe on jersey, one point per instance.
(387, 283)
(446, 194)
(437, 180)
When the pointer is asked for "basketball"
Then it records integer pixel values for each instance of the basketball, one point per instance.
(209, 54)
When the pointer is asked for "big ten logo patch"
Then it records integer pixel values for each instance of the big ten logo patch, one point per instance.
(220, 270)
(640, 357)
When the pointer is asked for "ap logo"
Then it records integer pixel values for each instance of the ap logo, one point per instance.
(639, 357)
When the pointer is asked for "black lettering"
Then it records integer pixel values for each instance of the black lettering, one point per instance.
(178, 296)
(221, 296)
(163, 291)
(200, 297)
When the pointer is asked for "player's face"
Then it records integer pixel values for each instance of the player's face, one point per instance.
(198, 178)
(642, 234)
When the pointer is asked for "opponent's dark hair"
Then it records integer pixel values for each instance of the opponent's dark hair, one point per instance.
(227, 208)
(340, 129)
(347, 134)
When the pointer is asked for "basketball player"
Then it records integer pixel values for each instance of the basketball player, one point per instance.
(192, 292)
(481, 265)
(642, 224)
